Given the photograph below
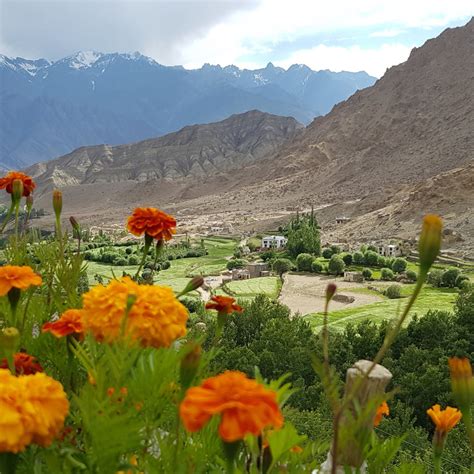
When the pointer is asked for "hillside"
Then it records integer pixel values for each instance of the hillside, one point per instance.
(48, 109)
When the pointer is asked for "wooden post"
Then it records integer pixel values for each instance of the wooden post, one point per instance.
(350, 454)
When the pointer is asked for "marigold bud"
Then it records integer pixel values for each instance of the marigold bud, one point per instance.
(462, 382)
(193, 284)
(330, 291)
(29, 203)
(430, 242)
(9, 339)
(190, 364)
(76, 228)
(17, 190)
(57, 203)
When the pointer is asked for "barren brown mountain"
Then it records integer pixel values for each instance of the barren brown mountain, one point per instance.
(388, 154)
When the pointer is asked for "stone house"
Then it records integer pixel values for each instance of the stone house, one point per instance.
(240, 274)
(257, 268)
(355, 277)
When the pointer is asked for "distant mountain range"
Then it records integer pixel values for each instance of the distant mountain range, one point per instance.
(48, 108)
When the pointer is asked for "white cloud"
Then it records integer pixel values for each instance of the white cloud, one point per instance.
(354, 58)
(388, 33)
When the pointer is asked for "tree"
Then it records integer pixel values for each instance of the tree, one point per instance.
(282, 265)
(304, 261)
(371, 258)
(393, 292)
(434, 278)
(303, 236)
(336, 265)
(316, 267)
(461, 281)
(335, 249)
(411, 275)
(327, 253)
(235, 263)
(358, 258)
(399, 265)
(386, 274)
(367, 273)
(347, 259)
(449, 277)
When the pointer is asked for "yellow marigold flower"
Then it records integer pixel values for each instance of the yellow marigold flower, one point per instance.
(32, 410)
(444, 420)
(156, 318)
(17, 277)
(430, 241)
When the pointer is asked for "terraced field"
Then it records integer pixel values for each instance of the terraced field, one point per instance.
(247, 289)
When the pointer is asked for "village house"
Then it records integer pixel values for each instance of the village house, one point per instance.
(389, 250)
(274, 242)
(342, 220)
(258, 269)
(355, 277)
(240, 274)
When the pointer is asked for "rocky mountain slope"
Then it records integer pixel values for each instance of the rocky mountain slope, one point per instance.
(48, 109)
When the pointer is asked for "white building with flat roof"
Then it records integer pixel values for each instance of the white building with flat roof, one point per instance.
(274, 242)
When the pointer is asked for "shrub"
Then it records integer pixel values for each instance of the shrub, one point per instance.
(268, 255)
(193, 305)
(449, 277)
(327, 253)
(282, 265)
(367, 273)
(411, 275)
(165, 265)
(128, 250)
(393, 292)
(335, 249)
(316, 267)
(434, 278)
(460, 280)
(336, 265)
(122, 261)
(304, 261)
(382, 261)
(358, 258)
(88, 255)
(347, 258)
(386, 274)
(133, 260)
(399, 265)
(371, 258)
(236, 263)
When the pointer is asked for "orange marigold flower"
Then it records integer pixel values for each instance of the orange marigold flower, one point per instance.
(444, 420)
(17, 277)
(152, 222)
(24, 363)
(382, 410)
(70, 322)
(296, 449)
(32, 410)
(7, 182)
(245, 406)
(223, 304)
(156, 318)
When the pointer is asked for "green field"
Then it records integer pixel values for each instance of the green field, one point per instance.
(180, 270)
(269, 286)
(430, 298)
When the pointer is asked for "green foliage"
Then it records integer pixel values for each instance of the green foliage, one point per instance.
(282, 265)
(371, 258)
(367, 273)
(386, 274)
(399, 265)
(411, 275)
(335, 249)
(449, 277)
(303, 236)
(393, 292)
(304, 262)
(316, 267)
(434, 278)
(347, 257)
(327, 253)
(358, 258)
(336, 265)
(235, 263)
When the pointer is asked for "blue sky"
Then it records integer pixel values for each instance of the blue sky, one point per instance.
(350, 35)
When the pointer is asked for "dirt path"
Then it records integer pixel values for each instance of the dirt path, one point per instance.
(305, 294)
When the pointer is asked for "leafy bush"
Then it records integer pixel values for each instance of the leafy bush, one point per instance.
(371, 258)
(304, 262)
(120, 261)
(381, 261)
(449, 277)
(336, 265)
(461, 280)
(411, 275)
(434, 278)
(133, 260)
(358, 258)
(386, 274)
(282, 265)
(327, 253)
(399, 265)
(393, 292)
(235, 263)
(316, 267)
(347, 257)
(367, 273)
(129, 250)
(335, 249)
